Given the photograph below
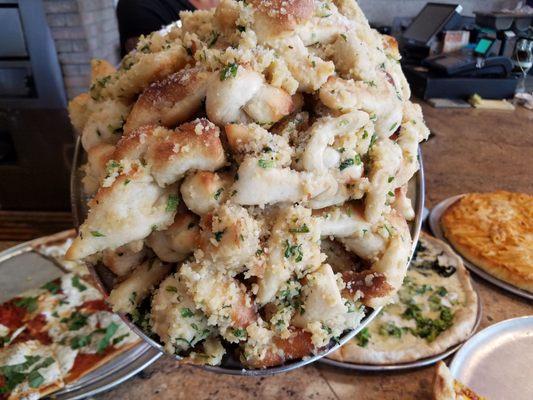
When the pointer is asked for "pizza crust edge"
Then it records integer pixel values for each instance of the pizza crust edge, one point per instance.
(464, 322)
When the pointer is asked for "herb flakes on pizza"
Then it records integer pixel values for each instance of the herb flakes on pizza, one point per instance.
(435, 309)
(53, 335)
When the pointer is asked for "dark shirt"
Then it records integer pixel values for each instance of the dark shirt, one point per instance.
(141, 17)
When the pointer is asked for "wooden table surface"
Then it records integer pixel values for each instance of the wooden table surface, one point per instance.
(470, 150)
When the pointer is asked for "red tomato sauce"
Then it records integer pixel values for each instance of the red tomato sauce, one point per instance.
(95, 305)
(35, 330)
(85, 362)
(11, 315)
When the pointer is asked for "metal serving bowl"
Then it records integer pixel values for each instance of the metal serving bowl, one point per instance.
(230, 365)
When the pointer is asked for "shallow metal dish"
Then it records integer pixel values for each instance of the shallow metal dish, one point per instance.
(434, 223)
(24, 268)
(229, 364)
(496, 362)
(423, 362)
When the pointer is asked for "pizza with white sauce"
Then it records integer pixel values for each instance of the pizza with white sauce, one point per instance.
(53, 335)
(435, 309)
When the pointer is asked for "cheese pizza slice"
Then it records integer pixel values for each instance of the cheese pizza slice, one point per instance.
(28, 370)
(65, 322)
(445, 387)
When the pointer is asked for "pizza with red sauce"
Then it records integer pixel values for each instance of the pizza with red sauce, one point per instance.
(55, 334)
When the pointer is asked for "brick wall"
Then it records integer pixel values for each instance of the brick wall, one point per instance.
(82, 30)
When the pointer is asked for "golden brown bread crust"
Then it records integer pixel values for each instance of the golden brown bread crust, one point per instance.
(101, 68)
(170, 101)
(464, 322)
(495, 232)
(286, 14)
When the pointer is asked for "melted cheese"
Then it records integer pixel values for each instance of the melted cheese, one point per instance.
(76, 297)
(418, 287)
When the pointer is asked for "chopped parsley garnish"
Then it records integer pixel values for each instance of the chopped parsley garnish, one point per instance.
(344, 122)
(172, 203)
(14, 375)
(120, 338)
(301, 229)
(132, 298)
(229, 71)
(423, 289)
(97, 234)
(213, 39)
(35, 379)
(428, 328)
(171, 289)
(391, 194)
(109, 332)
(219, 234)
(77, 284)
(76, 321)
(391, 178)
(186, 312)
(344, 37)
(145, 49)
(371, 83)
(29, 303)
(266, 163)
(393, 126)
(390, 329)
(78, 342)
(373, 140)
(363, 337)
(218, 193)
(350, 162)
(53, 287)
(239, 332)
(293, 251)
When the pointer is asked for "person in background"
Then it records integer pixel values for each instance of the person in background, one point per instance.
(141, 17)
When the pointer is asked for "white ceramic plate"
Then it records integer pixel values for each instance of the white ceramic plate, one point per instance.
(498, 361)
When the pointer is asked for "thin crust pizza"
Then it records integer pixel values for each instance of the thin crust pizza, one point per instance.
(435, 309)
(53, 335)
(445, 387)
(495, 232)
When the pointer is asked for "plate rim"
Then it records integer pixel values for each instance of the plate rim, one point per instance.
(141, 347)
(434, 218)
(474, 340)
(423, 362)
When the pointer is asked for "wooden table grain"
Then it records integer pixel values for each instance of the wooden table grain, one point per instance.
(470, 150)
